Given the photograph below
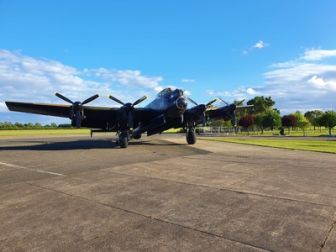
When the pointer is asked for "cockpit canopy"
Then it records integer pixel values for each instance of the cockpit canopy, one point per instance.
(168, 92)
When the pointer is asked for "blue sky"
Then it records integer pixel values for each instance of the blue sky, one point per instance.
(233, 49)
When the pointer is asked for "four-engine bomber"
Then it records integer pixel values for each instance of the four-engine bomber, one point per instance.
(168, 110)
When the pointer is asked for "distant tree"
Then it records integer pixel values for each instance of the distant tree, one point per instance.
(64, 126)
(246, 121)
(18, 125)
(301, 121)
(216, 123)
(258, 121)
(288, 121)
(261, 104)
(271, 119)
(29, 125)
(37, 125)
(53, 125)
(328, 119)
(313, 116)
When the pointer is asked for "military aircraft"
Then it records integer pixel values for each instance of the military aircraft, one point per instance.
(167, 110)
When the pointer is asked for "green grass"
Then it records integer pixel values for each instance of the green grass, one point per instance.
(172, 130)
(294, 144)
(308, 132)
(43, 132)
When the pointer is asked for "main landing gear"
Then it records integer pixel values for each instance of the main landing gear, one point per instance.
(123, 138)
(190, 135)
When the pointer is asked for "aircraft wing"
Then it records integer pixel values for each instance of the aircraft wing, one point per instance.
(40, 108)
(225, 112)
(245, 107)
(95, 117)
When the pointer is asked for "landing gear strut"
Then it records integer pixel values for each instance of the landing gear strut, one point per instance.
(123, 139)
(190, 135)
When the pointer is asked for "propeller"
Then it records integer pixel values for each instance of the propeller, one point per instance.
(192, 101)
(207, 105)
(126, 118)
(202, 107)
(77, 112)
(223, 101)
(233, 107)
(239, 103)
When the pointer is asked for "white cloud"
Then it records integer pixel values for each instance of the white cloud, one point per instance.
(3, 107)
(260, 44)
(132, 78)
(318, 54)
(24, 78)
(297, 84)
(251, 91)
(187, 80)
(257, 46)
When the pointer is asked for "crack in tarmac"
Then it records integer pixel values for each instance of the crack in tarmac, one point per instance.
(333, 224)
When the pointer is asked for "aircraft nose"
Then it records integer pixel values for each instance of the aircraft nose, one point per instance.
(181, 104)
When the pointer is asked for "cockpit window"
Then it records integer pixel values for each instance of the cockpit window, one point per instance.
(178, 92)
(165, 91)
(169, 91)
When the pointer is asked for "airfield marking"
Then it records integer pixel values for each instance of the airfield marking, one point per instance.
(30, 169)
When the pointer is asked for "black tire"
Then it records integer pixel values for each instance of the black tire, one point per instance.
(123, 142)
(191, 136)
(137, 136)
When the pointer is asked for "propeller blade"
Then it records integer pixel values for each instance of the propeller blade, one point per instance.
(63, 98)
(210, 102)
(116, 100)
(139, 100)
(192, 101)
(90, 99)
(240, 102)
(223, 101)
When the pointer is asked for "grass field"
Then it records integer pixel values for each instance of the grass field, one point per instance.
(328, 146)
(308, 132)
(43, 132)
(296, 132)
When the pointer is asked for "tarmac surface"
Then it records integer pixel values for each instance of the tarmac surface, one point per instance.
(77, 193)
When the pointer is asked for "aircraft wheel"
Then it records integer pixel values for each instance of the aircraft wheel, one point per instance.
(123, 140)
(137, 136)
(191, 136)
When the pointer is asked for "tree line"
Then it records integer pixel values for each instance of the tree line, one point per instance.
(17, 125)
(264, 116)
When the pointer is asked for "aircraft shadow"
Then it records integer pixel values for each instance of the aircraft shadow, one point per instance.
(81, 145)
